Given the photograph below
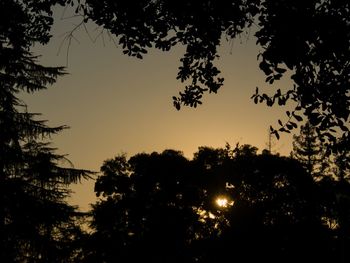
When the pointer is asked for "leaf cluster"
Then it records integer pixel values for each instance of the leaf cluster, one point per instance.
(309, 39)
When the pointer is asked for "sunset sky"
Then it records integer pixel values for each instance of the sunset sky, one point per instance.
(117, 104)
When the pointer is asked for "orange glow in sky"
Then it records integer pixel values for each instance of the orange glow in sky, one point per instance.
(114, 103)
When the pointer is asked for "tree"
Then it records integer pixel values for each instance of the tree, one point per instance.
(308, 39)
(164, 208)
(337, 205)
(148, 210)
(332, 175)
(314, 52)
(308, 150)
(276, 213)
(36, 223)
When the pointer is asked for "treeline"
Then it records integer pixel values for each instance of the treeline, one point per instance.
(223, 205)
(226, 204)
(229, 204)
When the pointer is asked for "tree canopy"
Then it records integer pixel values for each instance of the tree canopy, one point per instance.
(223, 204)
(306, 40)
(309, 40)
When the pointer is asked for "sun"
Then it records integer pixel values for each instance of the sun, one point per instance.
(223, 202)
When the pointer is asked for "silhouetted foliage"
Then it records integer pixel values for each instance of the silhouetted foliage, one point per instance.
(309, 150)
(331, 172)
(225, 204)
(308, 39)
(36, 223)
(313, 49)
(148, 209)
(276, 216)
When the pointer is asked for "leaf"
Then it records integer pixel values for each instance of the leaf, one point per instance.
(280, 70)
(281, 101)
(289, 126)
(278, 93)
(269, 102)
(294, 124)
(265, 67)
(268, 79)
(297, 117)
(277, 135)
(343, 128)
(277, 76)
(177, 105)
(315, 119)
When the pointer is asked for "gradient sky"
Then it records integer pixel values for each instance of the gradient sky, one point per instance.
(117, 104)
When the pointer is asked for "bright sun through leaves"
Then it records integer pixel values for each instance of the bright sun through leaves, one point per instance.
(223, 202)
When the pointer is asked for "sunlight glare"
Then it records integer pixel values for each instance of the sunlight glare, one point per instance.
(222, 202)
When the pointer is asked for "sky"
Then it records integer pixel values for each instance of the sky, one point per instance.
(118, 104)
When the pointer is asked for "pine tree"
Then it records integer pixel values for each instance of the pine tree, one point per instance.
(36, 222)
(307, 148)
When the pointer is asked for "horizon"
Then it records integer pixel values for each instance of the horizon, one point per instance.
(114, 103)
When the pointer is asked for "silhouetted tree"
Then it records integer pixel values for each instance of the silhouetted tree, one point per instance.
(225, 204)
(309, 150)
(277, 213)
(336, 204)
(332, 174)
(149, 210)
(313, 48)
(36, 223)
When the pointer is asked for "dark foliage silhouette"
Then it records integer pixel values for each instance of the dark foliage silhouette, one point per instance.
(331, 173)
(276, 216)
(148, 209)
(164, 208)
(36, 223)
(308, 39)
(225, 203)
(309, 150)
